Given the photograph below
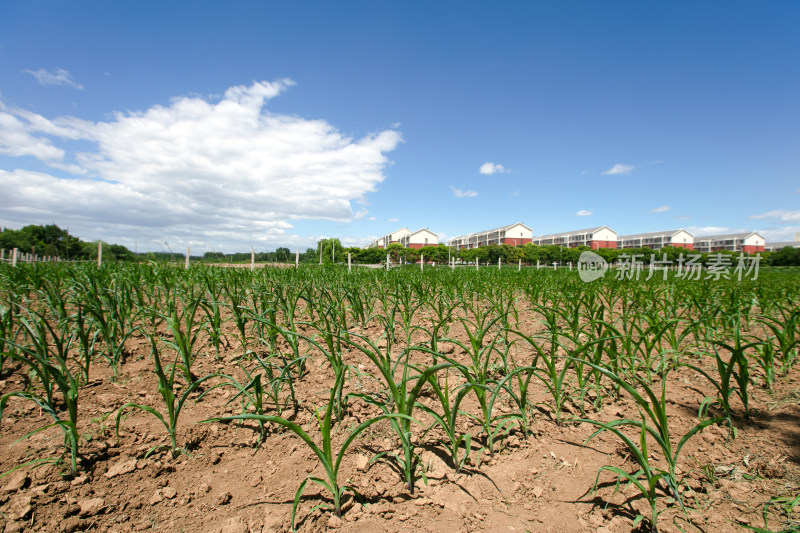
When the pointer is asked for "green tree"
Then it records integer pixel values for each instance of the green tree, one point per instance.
(330, 250)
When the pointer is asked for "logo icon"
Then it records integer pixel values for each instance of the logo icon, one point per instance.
(591, 266)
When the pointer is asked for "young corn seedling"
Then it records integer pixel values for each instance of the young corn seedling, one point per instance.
(330, 461)
(477, 373)
(111, 319)
(654, 424)
(213, 323)
(554, 374)
(54, 374)
(173, 403)
(401, 393)
(447, 417)
(185, 330)
(735, 369)
(8, 328)
(785, 332)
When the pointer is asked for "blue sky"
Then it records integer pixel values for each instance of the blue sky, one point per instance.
(265, 124)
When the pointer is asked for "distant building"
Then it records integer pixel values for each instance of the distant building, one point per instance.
(409, 239)
(420, 238)
(595, 238)
(386, 240)
(514, 234)
(657, 239)
(775, 246)
(748, 243)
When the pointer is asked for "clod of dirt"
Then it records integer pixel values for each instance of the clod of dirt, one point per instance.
(123, 466)
(80, 480)
(13, 527)
(224, 498)
(72, 524)
(335, 521)
(91, 507)
(362, 463)
(21, 506)
(18, 481)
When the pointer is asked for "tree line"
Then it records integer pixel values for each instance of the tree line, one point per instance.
(50, 240)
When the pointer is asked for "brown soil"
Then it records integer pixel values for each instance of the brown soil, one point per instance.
(225, 483)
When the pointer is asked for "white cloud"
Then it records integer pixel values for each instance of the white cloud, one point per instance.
(584, 213)
(786, 233)
(489, 168)
(212, 171)
(463, 194)
(780, 214)
(16, 139)
(392, 220)
(682, 217)
(662, 209)
(619, 168)
(699, 231)
(371, 218)
(515, 193)
(57, 76)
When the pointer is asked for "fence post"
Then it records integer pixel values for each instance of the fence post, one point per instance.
(421, 262)
(570, 266)
(498, 262)
(99, 253)
(14, 253)
(186, 264)
(348, 262)
(252, 259)
(520, 266)
(476, 263)
(537, 264)
(2, 254)
(387, 262)
(297, 258)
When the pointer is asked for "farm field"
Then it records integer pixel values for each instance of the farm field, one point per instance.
(210, 399)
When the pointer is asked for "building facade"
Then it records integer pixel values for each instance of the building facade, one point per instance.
(386, 240)
(657, 239)
(748, 243)
(775, 246)
(420, 239)
(595, 238)
(407, 238)
(514, 234)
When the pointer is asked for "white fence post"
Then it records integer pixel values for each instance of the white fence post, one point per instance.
(387, 262)
(520, 266)
(476, 263)
(99, 253)
(498, 262)
(297, 258)
(252, 259)
(570, 266)
(537, 264)
(186, 263)
(421, 262)
(348, 261)
(14, 253)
